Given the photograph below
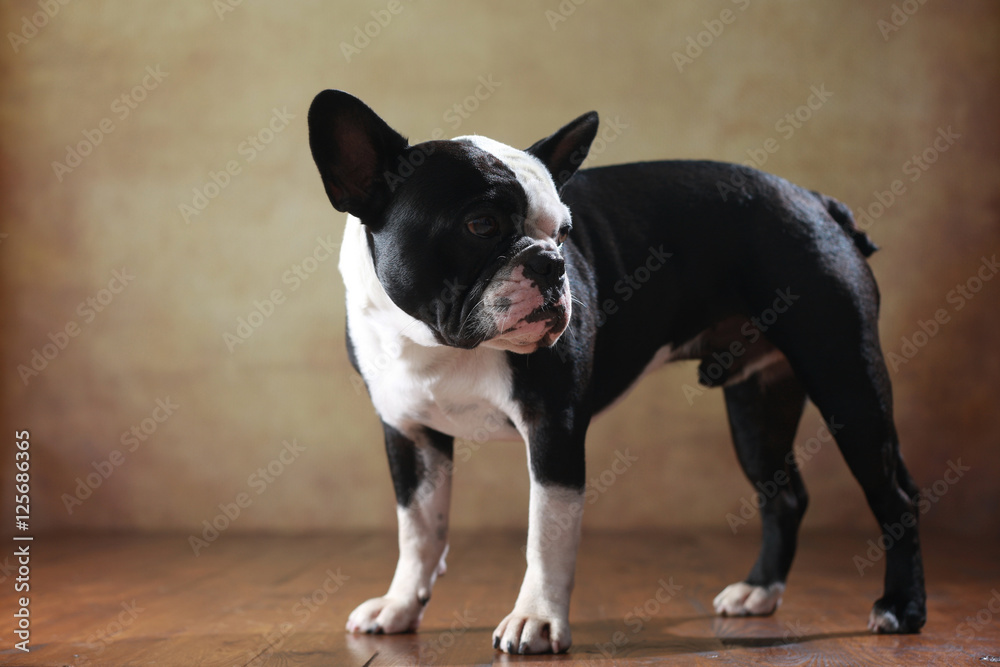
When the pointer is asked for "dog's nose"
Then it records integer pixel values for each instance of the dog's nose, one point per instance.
(546, 268)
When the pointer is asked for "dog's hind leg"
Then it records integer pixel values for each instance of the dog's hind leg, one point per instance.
(852, 392)
(830, 338)
(764, 412)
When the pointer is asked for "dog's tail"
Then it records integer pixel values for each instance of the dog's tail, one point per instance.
(839, 212)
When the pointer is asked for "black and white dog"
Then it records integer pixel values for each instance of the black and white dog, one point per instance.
(499, 289)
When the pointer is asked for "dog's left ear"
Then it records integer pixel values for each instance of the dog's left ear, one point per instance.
(354, 150)
(564, 151)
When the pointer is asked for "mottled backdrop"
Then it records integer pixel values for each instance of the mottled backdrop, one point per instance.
(172, 318)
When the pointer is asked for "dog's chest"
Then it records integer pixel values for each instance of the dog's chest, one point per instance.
(464, 393)
(412, 379)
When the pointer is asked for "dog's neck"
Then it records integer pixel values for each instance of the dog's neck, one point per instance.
(365, 294)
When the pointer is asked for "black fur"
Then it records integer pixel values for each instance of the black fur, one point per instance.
(670, 253)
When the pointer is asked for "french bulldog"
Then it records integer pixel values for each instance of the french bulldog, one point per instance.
(498, 291)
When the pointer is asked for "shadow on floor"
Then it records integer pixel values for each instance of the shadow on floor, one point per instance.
(599, 641)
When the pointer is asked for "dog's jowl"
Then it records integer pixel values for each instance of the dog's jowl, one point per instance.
(501, 290)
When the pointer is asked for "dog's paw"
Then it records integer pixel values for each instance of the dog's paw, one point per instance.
(442, 567)
(743, 599)
(890, 616)
(385, 615)
(525, 632)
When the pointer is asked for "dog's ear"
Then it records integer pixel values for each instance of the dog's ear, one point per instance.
(354, 149)
(565, 151)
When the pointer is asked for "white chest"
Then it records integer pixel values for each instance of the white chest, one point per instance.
(412, 379)
(464, 393)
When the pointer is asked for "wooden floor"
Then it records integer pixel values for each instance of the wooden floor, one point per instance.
(640, 599)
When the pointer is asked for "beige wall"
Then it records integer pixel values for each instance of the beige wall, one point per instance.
(222, 78)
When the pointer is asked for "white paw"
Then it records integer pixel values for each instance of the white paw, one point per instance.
(442, 567)
(386, 615)
(524, 633)
(743, 599)
(883, 622)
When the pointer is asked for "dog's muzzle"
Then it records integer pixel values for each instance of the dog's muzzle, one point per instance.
(546, 268)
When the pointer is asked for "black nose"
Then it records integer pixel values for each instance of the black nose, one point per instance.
(545, 268)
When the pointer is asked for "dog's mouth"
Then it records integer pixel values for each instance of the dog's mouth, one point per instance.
(557, 316)
(518, 310)
(539, 327)
(550, 310)
(554, 316)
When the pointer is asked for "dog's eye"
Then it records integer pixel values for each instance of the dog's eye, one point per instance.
(485, 226)
(563, 233)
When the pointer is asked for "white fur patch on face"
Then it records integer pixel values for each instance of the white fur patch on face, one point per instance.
(546, 212)
(512, 299)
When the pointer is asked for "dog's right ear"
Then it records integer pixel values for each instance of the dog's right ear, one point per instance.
(563, 152)
(354, 149)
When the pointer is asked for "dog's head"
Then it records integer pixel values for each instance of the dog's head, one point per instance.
(466, 235)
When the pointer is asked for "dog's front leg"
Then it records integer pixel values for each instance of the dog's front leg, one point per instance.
(540, 620)
(421, 474)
